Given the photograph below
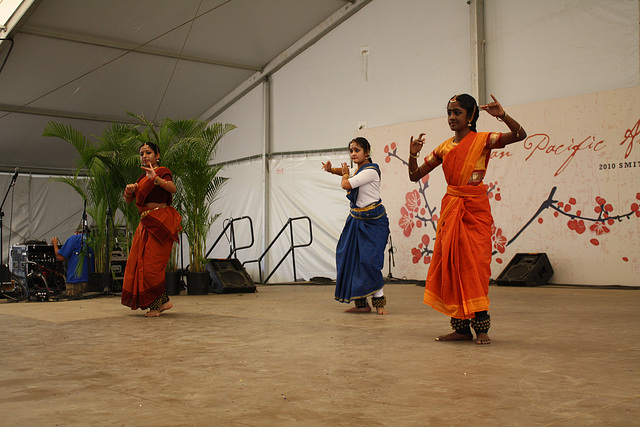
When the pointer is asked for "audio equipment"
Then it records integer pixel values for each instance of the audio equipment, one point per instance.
(228, 276)
(117, 270)
(18, 261)
(40, 252)
(525, 269)
(5, 275)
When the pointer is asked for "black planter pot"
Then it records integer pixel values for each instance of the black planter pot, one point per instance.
(173, 285)
(198, 283)
(100, 282)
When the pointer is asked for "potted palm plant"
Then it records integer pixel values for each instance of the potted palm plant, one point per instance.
(198, 187)
(97, 179)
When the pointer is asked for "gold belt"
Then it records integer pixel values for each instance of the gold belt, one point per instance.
(145, 213)
(366, 208)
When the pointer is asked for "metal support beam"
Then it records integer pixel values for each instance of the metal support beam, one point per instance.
(65, 114)
(285, 57)
(21, 11)
(478, 77)
(266, 156)
(80, 38)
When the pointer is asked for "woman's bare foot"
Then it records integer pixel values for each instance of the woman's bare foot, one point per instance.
(153, 313)
(454, 336)
(483, 338)
(366, 309)
(166, 306)
(381, 310)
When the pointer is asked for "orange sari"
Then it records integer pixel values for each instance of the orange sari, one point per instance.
(144, 274)
(458, 278)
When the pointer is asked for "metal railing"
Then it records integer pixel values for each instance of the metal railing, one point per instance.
(291, 250)
(232, 239)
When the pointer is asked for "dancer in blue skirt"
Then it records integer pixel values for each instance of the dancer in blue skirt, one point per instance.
(360, 251)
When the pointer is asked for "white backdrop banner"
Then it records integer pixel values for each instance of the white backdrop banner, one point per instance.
(570, 190)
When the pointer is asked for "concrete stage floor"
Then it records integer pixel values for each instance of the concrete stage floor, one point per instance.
(288, 356)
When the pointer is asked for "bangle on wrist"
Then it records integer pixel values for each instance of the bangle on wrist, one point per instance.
(345, 175)
(415, 156)
(501, 119)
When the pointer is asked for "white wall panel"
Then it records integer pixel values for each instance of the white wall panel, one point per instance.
(247, 139)
(301, 188)
(242, 195)
(419, 54)
(551, 49)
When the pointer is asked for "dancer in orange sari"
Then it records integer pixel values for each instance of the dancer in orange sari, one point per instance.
(144, 276)
(458, 278)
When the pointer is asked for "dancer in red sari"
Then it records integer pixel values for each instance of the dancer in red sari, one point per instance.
(458, 278)
(144, 276)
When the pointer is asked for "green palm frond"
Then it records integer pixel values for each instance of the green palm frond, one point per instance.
(187, 148)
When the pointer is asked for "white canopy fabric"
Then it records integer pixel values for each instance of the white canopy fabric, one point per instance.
(85, 63)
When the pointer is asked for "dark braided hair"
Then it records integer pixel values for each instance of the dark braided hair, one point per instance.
(470, 105)
(364, 144)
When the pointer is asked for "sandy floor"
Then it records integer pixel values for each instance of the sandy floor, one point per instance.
(289, 356)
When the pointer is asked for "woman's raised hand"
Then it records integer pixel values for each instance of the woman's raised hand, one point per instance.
(415, 145)
(326, 166)
(151, 172)
(494, 108)
(345, 169)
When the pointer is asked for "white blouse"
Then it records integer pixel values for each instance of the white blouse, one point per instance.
(368, 184)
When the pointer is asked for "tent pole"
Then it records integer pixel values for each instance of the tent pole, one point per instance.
(266, 155)
(478, 77)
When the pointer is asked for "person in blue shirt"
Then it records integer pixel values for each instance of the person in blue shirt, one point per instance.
(80, 261)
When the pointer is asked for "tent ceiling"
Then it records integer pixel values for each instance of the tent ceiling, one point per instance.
(86, 62)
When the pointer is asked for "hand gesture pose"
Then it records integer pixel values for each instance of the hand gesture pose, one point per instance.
(417, 171)
(494, 108)
(327, 166)
(415, 145)
(151, 172)
(130, 189)
(517, 133)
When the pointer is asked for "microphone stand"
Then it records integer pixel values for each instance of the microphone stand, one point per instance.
(84, 251)
(392, 259)
(13, 181)
(182, 274)
(109, 287)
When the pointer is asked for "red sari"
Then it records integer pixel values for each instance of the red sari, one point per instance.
(458, 278)
(144, 274)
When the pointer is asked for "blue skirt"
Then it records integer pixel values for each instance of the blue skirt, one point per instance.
(360, 253)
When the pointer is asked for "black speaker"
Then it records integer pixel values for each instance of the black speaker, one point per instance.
(5, 275)
(228, 276)
(526, 270)
(117, 269)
